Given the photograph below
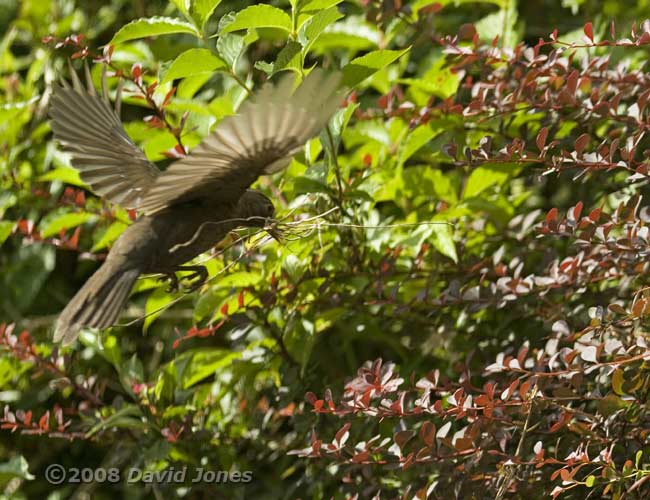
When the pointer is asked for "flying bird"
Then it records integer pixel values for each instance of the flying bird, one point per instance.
(192, 205)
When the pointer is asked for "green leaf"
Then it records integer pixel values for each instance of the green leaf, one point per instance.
(155, 306)
(351, 33)
(610, 404)
(204, 363)
(166, 384)
(230, 46)
(182, 5)
(294, 267)
(128, 416)
(590, 481)
(316, 5)
(618, 379)
(111, 351)
(314, 26)
(414, 141)
(65, 221)
(6, 226)
(16, 467)
(362, 67)
(485, 176)
(288, 59)
(109, 236)
(443, 240)
(203, 9)
(67, 175)
(299, 340)
(259, 16)
(193, 62)
(152, 26)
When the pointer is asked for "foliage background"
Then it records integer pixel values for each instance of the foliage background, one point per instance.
(218, 378)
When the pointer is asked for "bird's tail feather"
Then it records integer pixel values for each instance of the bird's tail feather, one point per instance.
(98, 304)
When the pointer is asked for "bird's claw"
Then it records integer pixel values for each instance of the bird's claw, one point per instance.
(202, 277)
(173, 282)
(200, 274)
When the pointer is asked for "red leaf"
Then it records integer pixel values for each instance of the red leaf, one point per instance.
(577, 210)
(136, 71)
(73, 242)
(564, 419)
(80, 198)
(541, 138)
(224, 309)
(168, 97)
(589, 31)
(44, 421)
(432, 8)
(594, 215)
(580, 143)
(551, 215)
(341, 436)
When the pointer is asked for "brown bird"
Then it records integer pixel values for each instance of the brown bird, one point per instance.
(197, 201)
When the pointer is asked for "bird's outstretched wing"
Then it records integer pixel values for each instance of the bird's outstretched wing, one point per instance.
(270, 127)
(84, 123)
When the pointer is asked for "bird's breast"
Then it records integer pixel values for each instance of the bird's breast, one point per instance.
(159, 243)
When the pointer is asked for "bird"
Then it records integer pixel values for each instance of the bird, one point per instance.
(191, 206)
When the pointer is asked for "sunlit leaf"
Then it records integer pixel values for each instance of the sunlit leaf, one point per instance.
(152, 26)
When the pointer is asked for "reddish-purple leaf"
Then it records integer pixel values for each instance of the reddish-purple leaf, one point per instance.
(541, 138)
(580, 143)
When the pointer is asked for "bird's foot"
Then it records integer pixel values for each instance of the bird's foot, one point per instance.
(173, 282)
(199, 276)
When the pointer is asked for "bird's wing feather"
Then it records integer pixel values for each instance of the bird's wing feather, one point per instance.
(84, 124)
(270, 127)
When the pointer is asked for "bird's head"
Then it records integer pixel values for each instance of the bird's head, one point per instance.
(257, 211)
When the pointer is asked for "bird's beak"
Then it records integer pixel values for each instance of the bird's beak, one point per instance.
(274, 233)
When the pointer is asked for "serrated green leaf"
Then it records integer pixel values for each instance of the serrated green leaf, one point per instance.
(230, 47)
(152, 26)
(316, 5)
(365, 66)
(193, 62)
(288, 59)
(351, 33)
(259, 16)
(203, 9)
(65, 221)
(182, 5)
(314, 26)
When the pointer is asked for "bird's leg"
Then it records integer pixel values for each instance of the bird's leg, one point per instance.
(200, 274)
(173, 282)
